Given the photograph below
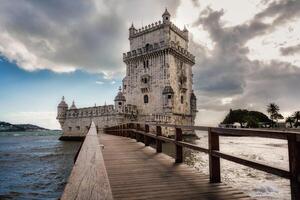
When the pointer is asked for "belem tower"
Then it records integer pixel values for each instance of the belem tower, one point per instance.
(157, 86)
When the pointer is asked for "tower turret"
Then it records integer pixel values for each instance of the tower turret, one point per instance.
(131, 30)
(186, 32)
(62, 111)
(193, 103)
(168, 95)
(120, 101)
(166, 17)
(73, 106)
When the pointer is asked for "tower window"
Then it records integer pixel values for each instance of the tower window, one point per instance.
(181, 99)
(146, 64)
(120, 103)
(146, 100)
(169, 96)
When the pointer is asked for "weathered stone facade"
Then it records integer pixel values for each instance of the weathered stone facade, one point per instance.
(157, 86)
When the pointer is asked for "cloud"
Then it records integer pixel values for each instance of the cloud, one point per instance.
(291, 50)
(64, 36)
(226, 72)
(100, 82)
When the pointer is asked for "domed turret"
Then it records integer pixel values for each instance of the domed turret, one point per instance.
(62, 111)
(166, 17)
(168, 94)
(120, 101)
(185, 32)
(73, 106)
(132, 30)
(193, 103)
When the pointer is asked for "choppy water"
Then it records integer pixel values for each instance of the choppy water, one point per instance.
(34, 165)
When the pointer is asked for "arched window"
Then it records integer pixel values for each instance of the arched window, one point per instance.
(181, 99)
(147, 46)
(146, 100)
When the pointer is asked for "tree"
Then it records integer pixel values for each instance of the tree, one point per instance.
(290, 120)
(252, 121)
(273, 110)
(296, 117)
(245, 117)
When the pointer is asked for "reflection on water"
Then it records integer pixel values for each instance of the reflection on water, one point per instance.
(34, 166)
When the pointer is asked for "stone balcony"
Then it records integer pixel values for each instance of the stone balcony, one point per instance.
(154, 48)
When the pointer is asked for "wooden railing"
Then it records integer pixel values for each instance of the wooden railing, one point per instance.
(140, 132)
(88, 179)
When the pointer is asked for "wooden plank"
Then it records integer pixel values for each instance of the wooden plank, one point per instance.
(138, 172)
(88, 179)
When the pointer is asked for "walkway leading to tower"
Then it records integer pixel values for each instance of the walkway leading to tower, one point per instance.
(136, 171)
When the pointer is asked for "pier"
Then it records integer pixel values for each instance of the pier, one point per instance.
(128, 168)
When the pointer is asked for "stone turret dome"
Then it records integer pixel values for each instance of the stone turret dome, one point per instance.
(166, 13)
(193, 96)
(168, 90)
(73, 106)
(120, 96)
(62, 103)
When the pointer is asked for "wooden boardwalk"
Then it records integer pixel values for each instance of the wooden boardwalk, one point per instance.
(138, 172)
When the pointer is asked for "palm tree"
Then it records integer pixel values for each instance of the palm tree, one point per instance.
(290, 120)
(273, 110)
(296, 117)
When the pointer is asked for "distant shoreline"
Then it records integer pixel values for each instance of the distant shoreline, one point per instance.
(8, 127)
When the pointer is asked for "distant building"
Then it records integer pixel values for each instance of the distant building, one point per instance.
(157, 86)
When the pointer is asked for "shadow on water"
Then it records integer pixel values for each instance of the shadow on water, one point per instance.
(34, 166)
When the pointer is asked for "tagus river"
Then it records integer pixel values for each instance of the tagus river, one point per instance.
(34, 165)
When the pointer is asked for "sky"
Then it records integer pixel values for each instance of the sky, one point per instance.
(247, 53)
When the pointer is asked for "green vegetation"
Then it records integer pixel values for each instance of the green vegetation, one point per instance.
(294, 120)
(273, 110)
(245, 118)
(255, 119)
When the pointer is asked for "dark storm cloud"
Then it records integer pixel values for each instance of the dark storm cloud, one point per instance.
(78, 34)
(226, 71)
(290, 50)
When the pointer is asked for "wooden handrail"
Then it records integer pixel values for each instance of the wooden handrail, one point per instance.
(133, 130)
(88, 179)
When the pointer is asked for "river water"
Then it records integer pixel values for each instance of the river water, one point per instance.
(34, 165)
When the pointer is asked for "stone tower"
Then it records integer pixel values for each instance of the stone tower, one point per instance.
(62, 111)
(159, 73)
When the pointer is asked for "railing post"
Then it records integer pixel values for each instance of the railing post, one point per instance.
(134, 126)
(294, 162)
(124, 130)
(137, 135)
(214, 162)
(146, 138)
(158, 142)
(129, 131)
(178, 149)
